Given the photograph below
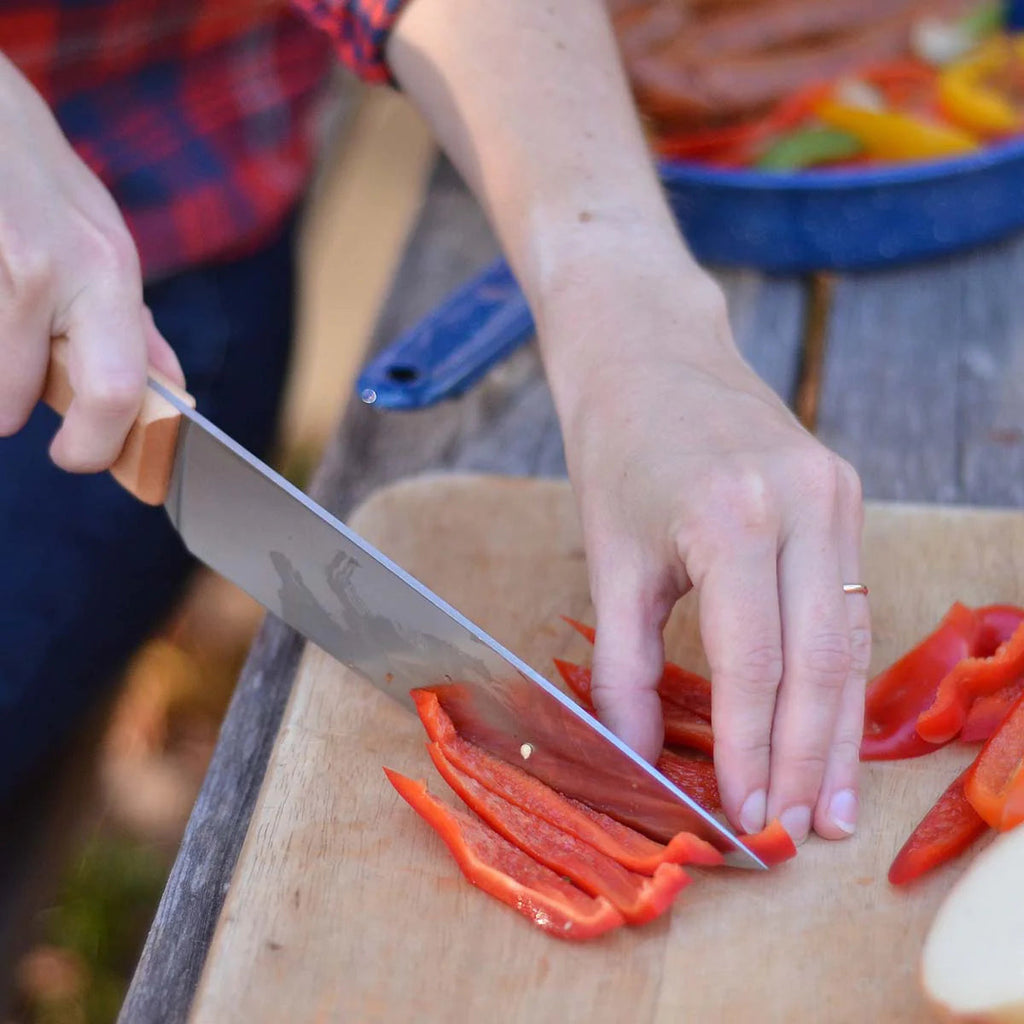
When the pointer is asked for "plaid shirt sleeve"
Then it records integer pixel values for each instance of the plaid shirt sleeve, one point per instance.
(359, 30)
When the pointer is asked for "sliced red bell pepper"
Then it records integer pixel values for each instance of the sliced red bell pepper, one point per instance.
(639, 898)
(620, 842)
(506, 873)
(988, 713)
(773, 844)
(968, 680)
(678, 685)
(694, 777)
(995, 782)
(683, 727)
(896, 696)
(996, 624)
(943, 833)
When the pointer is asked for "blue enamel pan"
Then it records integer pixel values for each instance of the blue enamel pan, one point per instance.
(786, 223)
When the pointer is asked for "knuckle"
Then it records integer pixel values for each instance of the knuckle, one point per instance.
(114, 395)
(820, 475)
(25, 267)
(827, 658)
(860, 649)
(112, 254)
(849, 480)
(735, 504)
(846, 751)
(746, 745)
(806, 763)
(754, 671)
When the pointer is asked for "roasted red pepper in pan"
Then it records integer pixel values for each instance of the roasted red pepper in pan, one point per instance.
(639, 898)
(508, 874)
(944, 832)
(995, 782)
(897, 696)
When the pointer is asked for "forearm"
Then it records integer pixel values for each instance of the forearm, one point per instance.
(530, 101)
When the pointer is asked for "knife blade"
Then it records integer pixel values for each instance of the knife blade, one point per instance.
(249, 524)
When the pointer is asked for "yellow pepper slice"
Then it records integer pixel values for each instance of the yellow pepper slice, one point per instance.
(890, 135)
(969, 99)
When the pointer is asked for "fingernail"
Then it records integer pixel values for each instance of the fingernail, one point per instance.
(843, 811)
(797, 822)
(752, 811)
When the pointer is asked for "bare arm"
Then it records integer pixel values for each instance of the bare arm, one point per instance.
(687, 468)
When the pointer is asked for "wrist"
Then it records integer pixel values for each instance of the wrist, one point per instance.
(623, 300)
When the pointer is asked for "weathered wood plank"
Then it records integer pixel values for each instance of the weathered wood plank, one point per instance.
(924, 382)
(504, 425)
(175, 948)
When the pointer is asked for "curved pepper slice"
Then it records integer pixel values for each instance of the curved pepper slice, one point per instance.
(773, 844)
(890, 135)
(620, 842)
(896, 697)
(694, 777)
(996, 624)
(968, 680)
(995, 782)
(943, 833)
(970, 95)
(988, 713)
(506, 873)
(638, 898)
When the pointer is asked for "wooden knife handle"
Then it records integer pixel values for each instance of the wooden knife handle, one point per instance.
(144, 466)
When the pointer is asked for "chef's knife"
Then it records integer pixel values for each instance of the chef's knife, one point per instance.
(301, 563)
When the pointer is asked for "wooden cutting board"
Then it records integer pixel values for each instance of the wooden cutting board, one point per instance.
(346, 907)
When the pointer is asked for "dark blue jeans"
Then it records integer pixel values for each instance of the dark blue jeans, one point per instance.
(87, 571)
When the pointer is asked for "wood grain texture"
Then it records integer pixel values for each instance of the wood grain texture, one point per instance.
(924, 379)
(506, 424)
(345, 907)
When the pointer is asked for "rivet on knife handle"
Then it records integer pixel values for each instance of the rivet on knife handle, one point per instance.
(144, 466)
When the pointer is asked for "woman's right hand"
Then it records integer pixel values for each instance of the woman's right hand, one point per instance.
(68, 266)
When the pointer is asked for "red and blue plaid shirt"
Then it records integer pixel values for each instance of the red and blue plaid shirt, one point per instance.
(198, 115)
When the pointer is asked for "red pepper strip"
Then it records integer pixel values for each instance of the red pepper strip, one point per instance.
(508, 874)
(896, 696)
(587, 632)
(996, 624)
(995, 782)
(638, 898)
(620, 842)
(772, 844)
(944, 832)
(709, 143)
(988, 713)
(577, 678)
(679, 685)
(968, 680)
(683, 727)
(694, 777)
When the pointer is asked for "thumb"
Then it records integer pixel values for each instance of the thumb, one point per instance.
(629, 655)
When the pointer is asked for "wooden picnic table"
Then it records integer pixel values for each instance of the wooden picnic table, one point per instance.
(915, 375)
